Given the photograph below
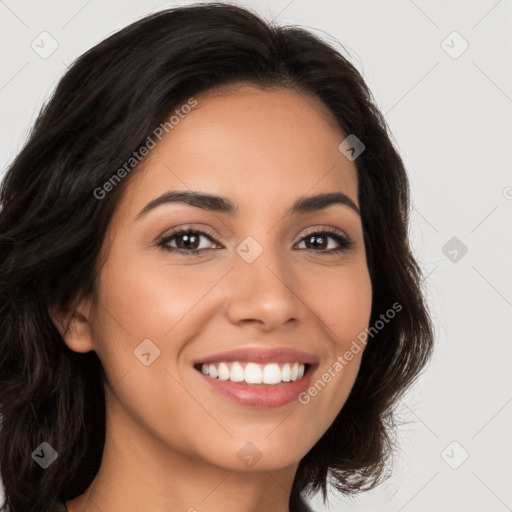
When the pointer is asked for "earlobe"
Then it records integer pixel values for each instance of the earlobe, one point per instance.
(74, 325)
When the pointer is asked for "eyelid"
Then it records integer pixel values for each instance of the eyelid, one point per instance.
(200, 228)
(328, 229)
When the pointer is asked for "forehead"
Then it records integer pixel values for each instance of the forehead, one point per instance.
(252, 145)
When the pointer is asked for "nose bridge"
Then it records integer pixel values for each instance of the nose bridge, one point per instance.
(261, 262)
(262, 288)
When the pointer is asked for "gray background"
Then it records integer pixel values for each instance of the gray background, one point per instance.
(450, 115)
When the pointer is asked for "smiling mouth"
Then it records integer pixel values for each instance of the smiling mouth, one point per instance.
(252, 373)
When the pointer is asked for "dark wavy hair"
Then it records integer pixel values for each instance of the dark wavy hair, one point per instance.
(52, 228)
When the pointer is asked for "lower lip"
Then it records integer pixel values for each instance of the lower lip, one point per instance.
(265, 396)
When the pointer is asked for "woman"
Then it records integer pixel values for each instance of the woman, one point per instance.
(208, 297)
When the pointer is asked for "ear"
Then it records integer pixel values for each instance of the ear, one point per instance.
(74, 324)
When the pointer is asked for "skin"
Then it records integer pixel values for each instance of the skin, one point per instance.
(171, 442)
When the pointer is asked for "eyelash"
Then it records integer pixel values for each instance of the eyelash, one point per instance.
(344, 241)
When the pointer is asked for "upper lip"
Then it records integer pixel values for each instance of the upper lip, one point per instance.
(262, 355)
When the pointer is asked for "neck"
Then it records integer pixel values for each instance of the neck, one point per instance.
(140, 473)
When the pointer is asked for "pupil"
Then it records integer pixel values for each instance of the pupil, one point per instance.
(317, 237)
(187, 241)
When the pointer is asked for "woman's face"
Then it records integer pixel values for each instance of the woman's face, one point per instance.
(260, 280)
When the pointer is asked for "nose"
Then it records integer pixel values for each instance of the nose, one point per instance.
(263, 293)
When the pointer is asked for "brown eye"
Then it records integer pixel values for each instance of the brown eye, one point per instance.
(186, 240)
(318, 241)
(192, 241)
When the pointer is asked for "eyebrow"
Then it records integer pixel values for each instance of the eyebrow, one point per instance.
(224, 205)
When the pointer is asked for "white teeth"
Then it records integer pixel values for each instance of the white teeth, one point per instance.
(286, 373)
(254, 373)
(223, 371)
(295, 371)
(271, 374)
(212, 371)
(237, 373)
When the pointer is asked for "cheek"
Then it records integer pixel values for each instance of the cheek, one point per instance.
(148, 311)
(343, 305)
(144, 299)
(138, 333)
(342, 300)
